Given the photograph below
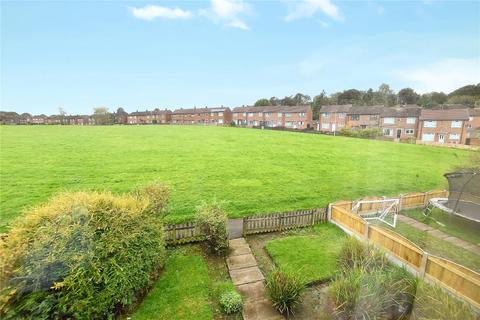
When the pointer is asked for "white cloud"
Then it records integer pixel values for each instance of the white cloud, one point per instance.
(445, 75)
(307, 8)
(228, 12)
(153, 12)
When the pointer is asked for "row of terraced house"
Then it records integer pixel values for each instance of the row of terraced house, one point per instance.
(455, 125)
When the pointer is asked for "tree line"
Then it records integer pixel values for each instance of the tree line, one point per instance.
(468, 95)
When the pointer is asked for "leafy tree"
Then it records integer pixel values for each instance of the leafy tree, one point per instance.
(319, 101)
(407, 96)
(466, 100)
(62, 114)
(385, 96)
(368, 97)
(301, 99)
(102, 116)
(120, 116)
(274, 101)
(262, 102)
(351, 96)
(428, 100)
(470, 90)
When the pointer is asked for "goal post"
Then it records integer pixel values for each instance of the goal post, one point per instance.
(384, 210)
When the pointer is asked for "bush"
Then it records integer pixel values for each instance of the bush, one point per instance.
(231, 302)
(212, 220)
(368, 287)
(81, 255)
(284, 289)
(364, 133)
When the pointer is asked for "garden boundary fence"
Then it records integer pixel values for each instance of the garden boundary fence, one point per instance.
(282, 221)
(183, 233)
(454, 277)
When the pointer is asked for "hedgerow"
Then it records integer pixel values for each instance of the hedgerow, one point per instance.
(82, 255)
(212, 220)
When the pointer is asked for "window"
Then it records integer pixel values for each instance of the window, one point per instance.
(454, 136)
(302, 114)
(288, 124)
(268, 114)
(387, 132)
(300, 123)
(279, 114)
(388, 120)
(235, 115)
(325, 114)
(220, 114)
(456, 124)
(260, 114)
(341, 115)
(251, 122)
(341, 125)
(430, 124)
(288, 115)
(411, 120)
(250, 114)
(428, 137)
(244, 114)
(374, 117)
(355, 117)
(220, 121)
(325, 125)
(409, 131)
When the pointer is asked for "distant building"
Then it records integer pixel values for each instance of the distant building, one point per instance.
(292, 117)
(400, 123)
(149, 117)
(443, 126)
(473, 128)
(364, 117)
(39, 119)
(333, 118)
(203, 116)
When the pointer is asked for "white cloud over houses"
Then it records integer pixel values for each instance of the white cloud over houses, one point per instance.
(445, 75)
(151, 12)
(228, 12)
(308, 8)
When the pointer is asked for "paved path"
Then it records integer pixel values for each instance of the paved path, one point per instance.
(439, 234)
(249, 280)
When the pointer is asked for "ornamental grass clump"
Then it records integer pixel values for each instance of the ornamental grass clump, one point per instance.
(81, 255)
(212, 221)
(284, 290)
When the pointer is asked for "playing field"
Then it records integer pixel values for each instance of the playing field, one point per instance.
(253, 171)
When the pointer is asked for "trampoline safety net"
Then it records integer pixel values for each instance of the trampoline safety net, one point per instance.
(464, 193)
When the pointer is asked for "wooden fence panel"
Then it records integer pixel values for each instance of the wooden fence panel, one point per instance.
(349, 220)
(435, 194)
(182, 233)
(282, 221)
(370, 207)
(397, 245)
(413, 200)
(462, 281)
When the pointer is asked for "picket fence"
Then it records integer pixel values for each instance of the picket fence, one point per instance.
(282, 221)
(454, 277)
(183, 233)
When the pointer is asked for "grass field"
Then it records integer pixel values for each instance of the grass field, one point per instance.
(312, 256)
(253, 171)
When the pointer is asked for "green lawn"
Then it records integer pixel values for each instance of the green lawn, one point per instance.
(437, 246)
(448, 223)
(188, 289)
(313, 256)
(254, 171)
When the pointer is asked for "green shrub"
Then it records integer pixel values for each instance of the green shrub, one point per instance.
(212, 220)
(81, 255)
(355, 254)
(431, 302)
(284, 289)
(363, 133)
(231, 301)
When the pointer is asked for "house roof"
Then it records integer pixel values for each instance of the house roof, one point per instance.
(273, 109)
(336, 108)
(450, 114)
(199, 110)
(366, 110)
(147, 112)
(401, 111)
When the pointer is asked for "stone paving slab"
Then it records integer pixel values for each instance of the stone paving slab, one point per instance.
(252, 291)
(235, 243)
(261, 310)
(246, 275)
(241, 262)
(240, 250)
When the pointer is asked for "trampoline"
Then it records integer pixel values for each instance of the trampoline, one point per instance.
(464, 194)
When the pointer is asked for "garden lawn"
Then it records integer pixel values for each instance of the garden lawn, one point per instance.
(437, 246)
(312, 256)
(253, 171)
(182, 292)
(448, 223)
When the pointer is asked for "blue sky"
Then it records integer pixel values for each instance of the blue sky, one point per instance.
(83, 54)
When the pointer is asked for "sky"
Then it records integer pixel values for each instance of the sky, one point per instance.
(78, 55)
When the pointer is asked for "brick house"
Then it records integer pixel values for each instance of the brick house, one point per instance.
(149, 117)
(53, 120)
(39, 119)
(400, 123)
(205, 116)
(333, 118)
(443, 126)
(363, 117)
(473, 130)
(79, 120)
(292, 117)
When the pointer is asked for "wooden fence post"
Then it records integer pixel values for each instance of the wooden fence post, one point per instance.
(367, 228)
(423, 265)
(329, 212)
(244, 230)
(400, 201)
(425, 198)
